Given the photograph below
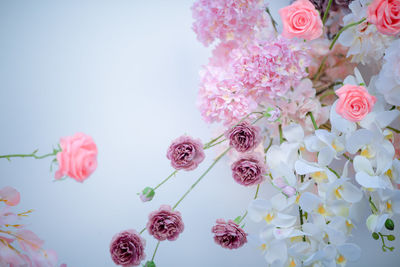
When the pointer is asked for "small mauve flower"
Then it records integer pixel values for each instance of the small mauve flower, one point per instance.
(354, 102)
(10, 196)
(244, 137)
(185, 153)
(127, 248)
(78, 157)
(289, 191)
(249, 170)
(228, 234)
(165, 223)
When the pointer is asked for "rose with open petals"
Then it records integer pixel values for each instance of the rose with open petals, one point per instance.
(185, 153)
(385, 14)
(244, 137)
(354, 102)
(10, 196)
(127, 248)
(249, 170)
(301, 20)
(228, 234)
(77, 158)
(165, 223)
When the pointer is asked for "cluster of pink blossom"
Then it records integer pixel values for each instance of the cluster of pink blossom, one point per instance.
(18, 245)
(237, 80)
(228, 20)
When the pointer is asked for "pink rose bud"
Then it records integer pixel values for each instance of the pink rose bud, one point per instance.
(228, 234)
(301, 20)
(385, 14)
(10, 196)
(165, 223)
(127, 248)
(249, 170)
(354, 102)
(147, 194)
(185, 153)
(244, 137)
(289, 191)
(78, 157)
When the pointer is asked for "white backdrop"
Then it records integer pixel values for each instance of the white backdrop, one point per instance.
(126, 73)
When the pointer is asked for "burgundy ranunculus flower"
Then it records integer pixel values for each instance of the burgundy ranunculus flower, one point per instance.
(185, 153)
(165, 223)
(127, 248)
(249, 170)
(228, 234)
(321, 5)
(244, 137)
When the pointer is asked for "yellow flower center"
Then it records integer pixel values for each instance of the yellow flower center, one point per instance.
(337, 192)
(292, 263)
(389, 173)
(269, 217)
(340, 259)
(367, 152)
(321, 209)
(319, 176)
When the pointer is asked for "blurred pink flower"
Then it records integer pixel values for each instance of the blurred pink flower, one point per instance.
(78, 157)
(227, 19)
(10, 196)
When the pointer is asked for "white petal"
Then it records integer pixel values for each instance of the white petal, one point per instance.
(284, 220)
(371, 222)
(279, 202)
(313, 143)
(340, 123)
(277, 252)
(258, 209)
(293, 133)
(325, 156)
(350, 251)
(308, 201)
(358, 139)
(368, 181)
(362, 164)
(304, 167)
(387, 117)
(351, 193)
(383, 161)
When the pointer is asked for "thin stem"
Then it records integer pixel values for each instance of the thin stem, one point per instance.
(216, 143)
(155, 251)
(393, 129)
(384, 247)
(332, 170)
(347, 157)
(269, 145)
(327, 87)
(326, 12)
(301, 221)
(374, 209)
(342, 30)
(280, 134)
(274, 23)
(32, 155)
(166, 179)
(313, 120)
(321, 66)
(255, 197)
(141, 232)
(201, 177)
(326, 94)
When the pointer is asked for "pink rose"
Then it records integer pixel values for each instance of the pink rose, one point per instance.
(165, 223)
(354, 102)
(244, 137)
(78, 157)
(249, 170)
(301, 20)
(385, 14)
(185, 153)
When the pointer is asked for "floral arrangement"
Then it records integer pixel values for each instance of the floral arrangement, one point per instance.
(298, 116)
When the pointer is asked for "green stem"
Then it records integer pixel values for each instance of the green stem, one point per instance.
(384, 247)
(32, 155)
(372, 205)
(280, 134)
(269, 145)
(332, 170)
(343, 29)
(326, 12)
(155, 251)
(201, 177)
(274, 23)
(166, 179)
(393, 129)
(313, 120)
(328, 87)
(321, 66)
(141, 232)
(327, 94)
(347, 157)
(255, 197)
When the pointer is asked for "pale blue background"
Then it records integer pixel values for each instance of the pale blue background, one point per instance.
(126, 73)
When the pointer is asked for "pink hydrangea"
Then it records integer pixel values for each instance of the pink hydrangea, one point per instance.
(238, 79)
(227, 19)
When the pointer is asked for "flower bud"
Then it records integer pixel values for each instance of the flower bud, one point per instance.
(150, 264)
(375, 236)
(389, 224)
(147, 194)
(391, 237)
